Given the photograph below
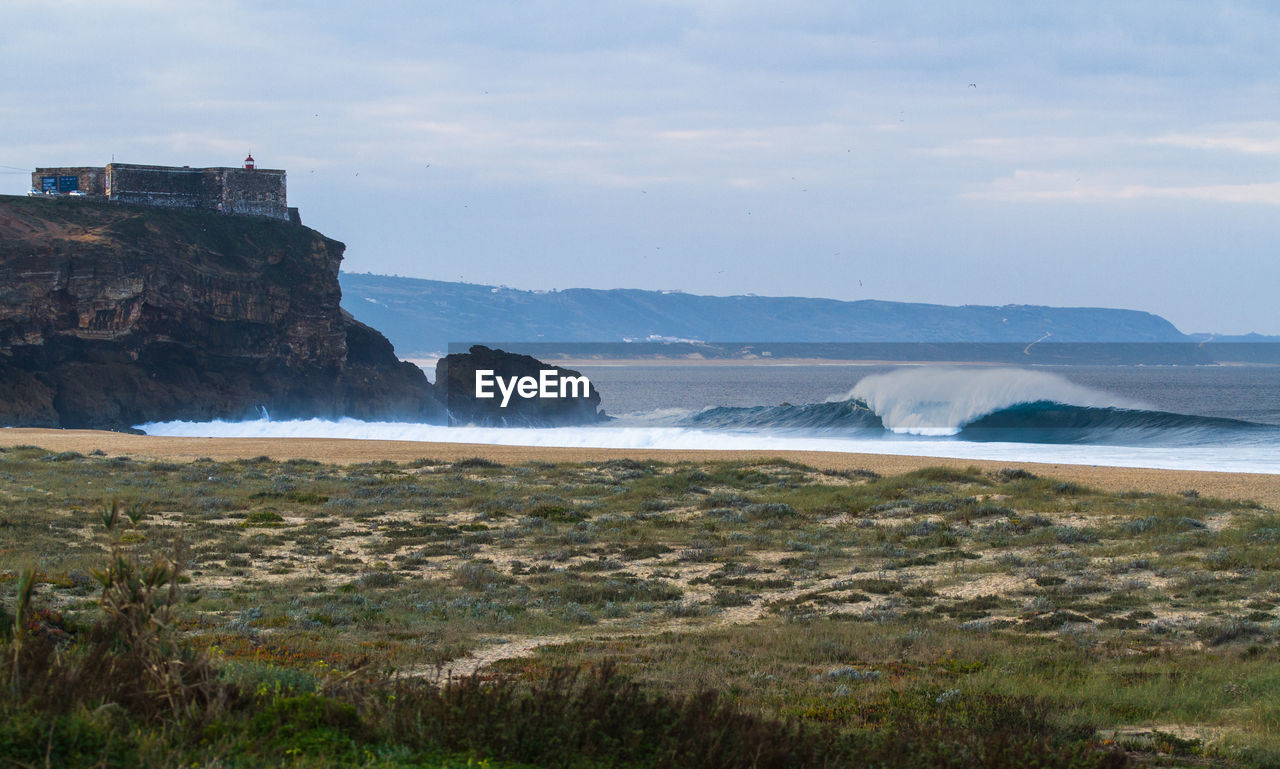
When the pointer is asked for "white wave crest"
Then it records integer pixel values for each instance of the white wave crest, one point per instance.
(1254, 459)
(931, 400)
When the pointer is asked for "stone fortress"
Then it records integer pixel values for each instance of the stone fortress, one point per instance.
(247, 191)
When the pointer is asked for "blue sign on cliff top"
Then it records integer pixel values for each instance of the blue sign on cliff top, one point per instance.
(48, 184)
(68, 183)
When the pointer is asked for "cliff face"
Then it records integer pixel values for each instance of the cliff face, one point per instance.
(115, 315)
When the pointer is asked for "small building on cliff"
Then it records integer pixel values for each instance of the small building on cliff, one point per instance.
(249, 191)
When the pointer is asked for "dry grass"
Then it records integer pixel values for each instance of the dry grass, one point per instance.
(798, 592)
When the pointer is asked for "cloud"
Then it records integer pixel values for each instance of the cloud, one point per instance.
(1013, 148)
(1024, 186)
(753, 128)
(1251, 143)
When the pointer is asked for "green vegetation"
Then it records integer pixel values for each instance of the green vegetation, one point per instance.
(261, 613)
(203, 230)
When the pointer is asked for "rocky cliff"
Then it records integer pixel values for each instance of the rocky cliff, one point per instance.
(114, 315)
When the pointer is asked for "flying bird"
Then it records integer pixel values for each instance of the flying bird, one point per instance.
(973, 85)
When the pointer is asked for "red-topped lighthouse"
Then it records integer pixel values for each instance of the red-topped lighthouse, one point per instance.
(248, 163)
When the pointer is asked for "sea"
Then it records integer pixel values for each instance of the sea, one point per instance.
(1217, 417)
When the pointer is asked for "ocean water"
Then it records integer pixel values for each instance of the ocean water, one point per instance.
(1208, 418)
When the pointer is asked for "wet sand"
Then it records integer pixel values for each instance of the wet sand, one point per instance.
(1259, 487)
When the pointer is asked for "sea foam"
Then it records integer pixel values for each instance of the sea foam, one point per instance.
(1230, 458)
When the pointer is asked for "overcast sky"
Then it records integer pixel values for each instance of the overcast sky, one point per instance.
(1118, 154)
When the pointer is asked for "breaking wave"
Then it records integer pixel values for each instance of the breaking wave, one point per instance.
(984, 405)
(1003, 414)
(942, 400)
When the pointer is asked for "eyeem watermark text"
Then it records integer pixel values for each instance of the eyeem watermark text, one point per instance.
(548, 384)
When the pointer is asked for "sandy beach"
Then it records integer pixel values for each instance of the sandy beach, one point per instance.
(1259, 487)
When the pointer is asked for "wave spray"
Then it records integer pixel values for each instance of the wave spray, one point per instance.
(940, 400)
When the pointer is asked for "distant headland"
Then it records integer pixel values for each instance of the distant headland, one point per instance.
(423, 316)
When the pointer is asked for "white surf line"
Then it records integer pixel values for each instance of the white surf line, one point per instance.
(1240, 459)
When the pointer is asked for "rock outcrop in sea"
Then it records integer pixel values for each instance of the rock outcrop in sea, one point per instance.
(456, 378)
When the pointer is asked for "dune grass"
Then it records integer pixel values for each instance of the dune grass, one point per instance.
(940, 615)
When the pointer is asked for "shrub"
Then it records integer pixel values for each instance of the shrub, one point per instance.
(1015, 474)
(644, 550)
(771, 510)
(263, 518)
(308, 724)
(475, 463)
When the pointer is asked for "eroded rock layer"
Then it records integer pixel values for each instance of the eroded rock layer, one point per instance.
(113, 315)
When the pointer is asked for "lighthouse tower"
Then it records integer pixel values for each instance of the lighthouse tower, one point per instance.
(248, 163)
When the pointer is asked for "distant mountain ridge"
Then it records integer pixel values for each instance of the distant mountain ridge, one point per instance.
(423, 316)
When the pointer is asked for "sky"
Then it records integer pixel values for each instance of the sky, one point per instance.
(1106, 154)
